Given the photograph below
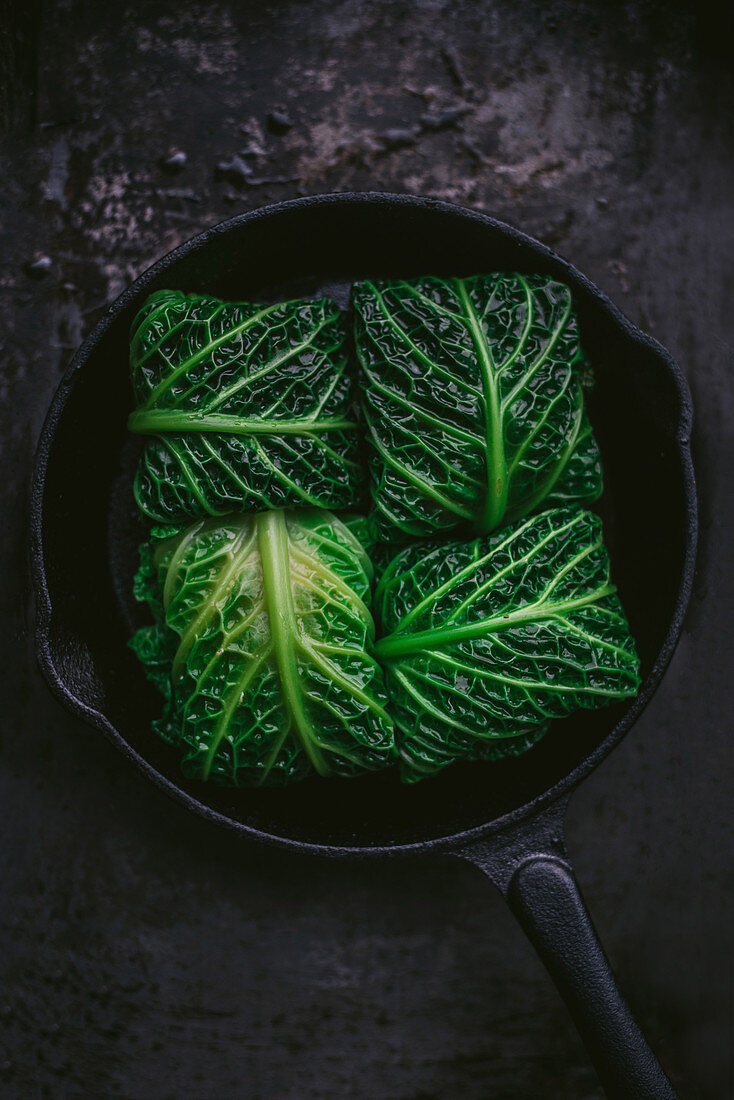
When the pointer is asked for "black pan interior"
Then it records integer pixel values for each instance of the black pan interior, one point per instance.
(90, 531)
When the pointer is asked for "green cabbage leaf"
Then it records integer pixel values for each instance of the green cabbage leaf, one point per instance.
(247, 407)
(263, 648)
(484, 642)
(473, 402)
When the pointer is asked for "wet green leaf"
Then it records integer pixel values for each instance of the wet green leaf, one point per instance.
(247, 407)
(268, 638)
(473, 401)
(484, 642)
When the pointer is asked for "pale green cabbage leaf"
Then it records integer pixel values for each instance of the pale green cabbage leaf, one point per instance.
(263, 648)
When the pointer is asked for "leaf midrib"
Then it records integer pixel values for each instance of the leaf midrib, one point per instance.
(155, 421)
(272, 535)
(494, 446)
(397, 645)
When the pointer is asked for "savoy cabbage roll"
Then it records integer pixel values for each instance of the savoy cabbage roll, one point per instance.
(473, 401)
(485, 642)
(244, 407)
(263, 648)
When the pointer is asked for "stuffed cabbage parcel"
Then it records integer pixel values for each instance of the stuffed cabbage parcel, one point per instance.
(263, 648)
(473, 401)
(485, 642)
(246, 407)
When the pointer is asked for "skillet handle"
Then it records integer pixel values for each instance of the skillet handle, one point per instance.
(530, 868)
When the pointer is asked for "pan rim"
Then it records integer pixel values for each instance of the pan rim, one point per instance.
(44, 609)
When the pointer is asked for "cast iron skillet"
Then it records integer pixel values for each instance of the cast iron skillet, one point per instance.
(505, 818)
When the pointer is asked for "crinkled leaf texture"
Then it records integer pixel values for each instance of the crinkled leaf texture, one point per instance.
(265, 629)
(484, 642)
(473, 401)
(247, 407)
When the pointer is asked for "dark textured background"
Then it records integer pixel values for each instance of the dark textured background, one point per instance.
(143, 954)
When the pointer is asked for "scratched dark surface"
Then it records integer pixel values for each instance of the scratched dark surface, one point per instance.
(142, 954)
